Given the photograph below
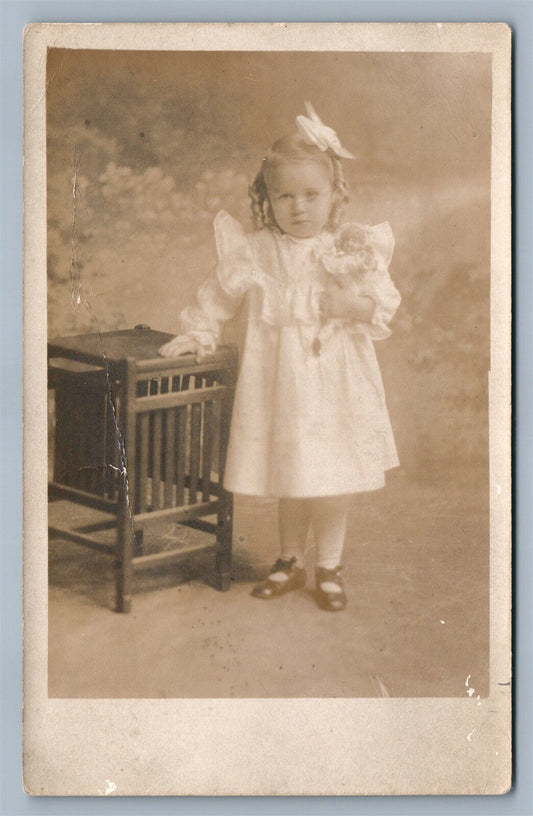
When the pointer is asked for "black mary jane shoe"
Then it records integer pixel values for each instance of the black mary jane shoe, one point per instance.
(273, 589)
(334, 601)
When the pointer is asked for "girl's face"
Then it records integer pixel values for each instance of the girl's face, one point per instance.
(301, 198)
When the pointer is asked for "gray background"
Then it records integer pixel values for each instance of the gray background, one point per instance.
(14, 16)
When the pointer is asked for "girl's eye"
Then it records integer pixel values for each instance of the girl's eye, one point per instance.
(311, 196)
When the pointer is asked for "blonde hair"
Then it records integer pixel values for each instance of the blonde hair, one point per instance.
(292, 148)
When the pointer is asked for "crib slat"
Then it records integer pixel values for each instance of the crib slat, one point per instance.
(80, 435)
(208, 439)
(170, 441)
(66, 423)
(143, 456)
(196, 424)
(100, 473)
(180, 451)
(206, 450)
(59, 442)
(107, 483)
(89, 457)
(164, 448)
(118, 442)
(156, 469)
(110, 449)
(90, 431)
(137, 481)
(83, 451)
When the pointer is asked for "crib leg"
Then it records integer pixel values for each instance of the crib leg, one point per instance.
(224, 537)
(126, 543)
(138, 543)
(125, 548)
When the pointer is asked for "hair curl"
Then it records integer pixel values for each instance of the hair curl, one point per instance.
(292, 148)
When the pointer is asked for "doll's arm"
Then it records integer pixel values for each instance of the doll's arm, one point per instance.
(380, 288)
(347, 304)
(368, 306)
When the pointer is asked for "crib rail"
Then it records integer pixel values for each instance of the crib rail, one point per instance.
(177, 420)
(144, 439)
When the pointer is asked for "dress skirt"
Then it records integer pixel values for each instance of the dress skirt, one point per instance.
(304, 424)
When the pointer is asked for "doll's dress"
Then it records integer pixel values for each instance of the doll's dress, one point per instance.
(303, 424)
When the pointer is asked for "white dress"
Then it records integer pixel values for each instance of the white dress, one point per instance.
(304, 424)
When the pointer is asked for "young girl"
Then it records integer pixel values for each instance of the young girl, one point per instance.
(309, 424)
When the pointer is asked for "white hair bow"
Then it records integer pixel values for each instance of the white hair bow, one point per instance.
(315, 132)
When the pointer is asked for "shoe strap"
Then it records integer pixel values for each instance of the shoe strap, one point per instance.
(324, 574)
(282, 565)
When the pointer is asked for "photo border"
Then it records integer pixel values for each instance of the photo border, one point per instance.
(402, 745)
(515, 13)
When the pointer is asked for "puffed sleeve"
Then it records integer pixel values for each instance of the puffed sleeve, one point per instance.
(235, 260)
(377, 284)
(218, 298)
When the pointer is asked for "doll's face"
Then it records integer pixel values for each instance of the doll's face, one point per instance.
(301, 198)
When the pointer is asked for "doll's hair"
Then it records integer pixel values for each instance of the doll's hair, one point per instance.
(291, 149)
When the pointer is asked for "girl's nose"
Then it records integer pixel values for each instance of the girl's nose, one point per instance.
(298, 205)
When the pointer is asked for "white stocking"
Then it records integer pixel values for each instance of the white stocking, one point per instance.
(329, 525)
(294, 520)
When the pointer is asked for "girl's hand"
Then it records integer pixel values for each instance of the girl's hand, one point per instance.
(183, 345)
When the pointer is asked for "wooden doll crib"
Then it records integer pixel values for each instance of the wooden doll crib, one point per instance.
(141, 439)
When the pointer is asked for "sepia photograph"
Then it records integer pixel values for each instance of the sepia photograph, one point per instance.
(187, 196)
(269, 281)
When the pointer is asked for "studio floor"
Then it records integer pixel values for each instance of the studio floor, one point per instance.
(417, 622)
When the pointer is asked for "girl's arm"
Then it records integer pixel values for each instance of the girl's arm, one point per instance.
(201, 322)
(219, 297)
